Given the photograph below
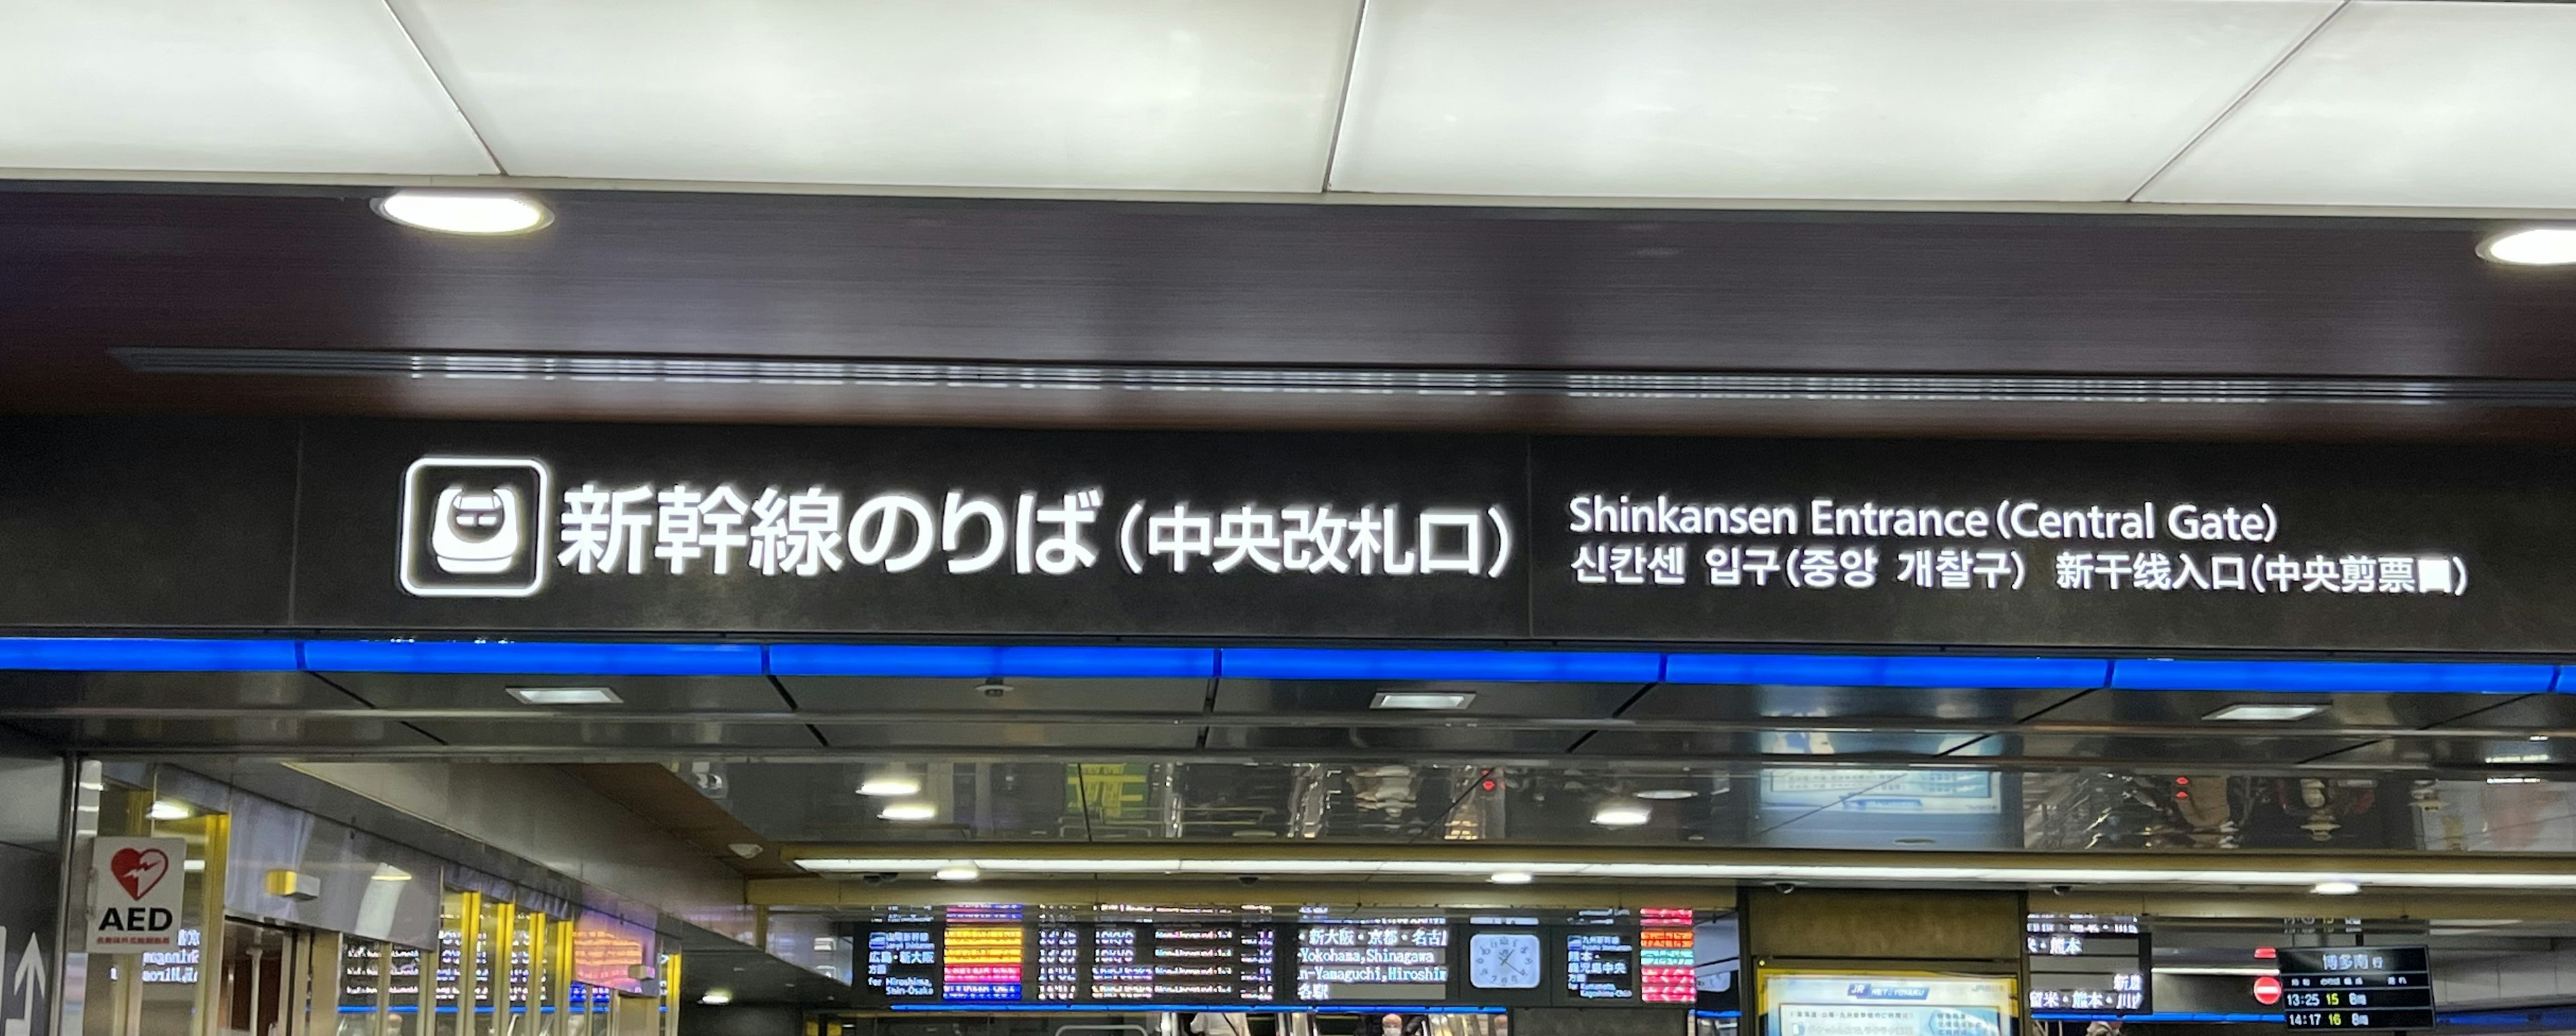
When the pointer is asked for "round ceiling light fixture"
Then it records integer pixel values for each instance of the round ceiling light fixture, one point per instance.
(464, 212)
(2532, 246)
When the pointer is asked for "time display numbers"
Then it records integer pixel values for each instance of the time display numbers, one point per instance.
(1601, 965)
(1385, 962)
(2357, 987)
(2086, 964)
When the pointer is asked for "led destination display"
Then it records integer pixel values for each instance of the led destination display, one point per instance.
(1196, 959)
(2357, 987)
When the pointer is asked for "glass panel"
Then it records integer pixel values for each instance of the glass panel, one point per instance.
(403, 990)
(362, 987)
(456, 913)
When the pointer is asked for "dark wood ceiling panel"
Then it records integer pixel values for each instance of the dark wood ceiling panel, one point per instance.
(1091, 282)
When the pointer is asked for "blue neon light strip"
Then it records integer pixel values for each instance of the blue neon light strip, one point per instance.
(2167, 674)
(1498, 666)
(147, 655)
(1887, 671)
(511, 656)
(2160, 1016)
(903, 660)
(163, 654)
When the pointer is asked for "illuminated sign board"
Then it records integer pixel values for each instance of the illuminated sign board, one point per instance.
(1252, 959)
(1388, 961)
(2086, 964)
(964, 531)
(2356, 987)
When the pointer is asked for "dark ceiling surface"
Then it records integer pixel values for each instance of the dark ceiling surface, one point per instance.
(1235, 286)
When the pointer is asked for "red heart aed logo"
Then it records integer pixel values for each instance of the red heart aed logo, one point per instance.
(139, 870)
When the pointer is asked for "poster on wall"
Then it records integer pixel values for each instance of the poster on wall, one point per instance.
(1885, 1004)
(135, 893)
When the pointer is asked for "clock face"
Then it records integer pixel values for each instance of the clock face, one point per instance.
(1503, 960)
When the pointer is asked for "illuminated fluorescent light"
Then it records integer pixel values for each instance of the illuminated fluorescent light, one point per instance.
(957, 874)
(1621, 815)
(2252, 713)
(908, 810)
(2335, 888)
(196, 866)
(2532, 246)
(1479, 870)
(1510, 877)
(837, 865)
(716, 998)
(483, 213)
(1118, 866)
(565, 695)
(890, 786)
(168, 809)
(2513, 780)
(1427, 700)
(1667, 794)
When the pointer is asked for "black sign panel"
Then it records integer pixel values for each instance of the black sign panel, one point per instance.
(431, 528)
(2357, 987)
(2046, 544)
(2086, 964)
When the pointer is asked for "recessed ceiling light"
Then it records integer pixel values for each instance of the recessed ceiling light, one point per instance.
(1423, 700)
(957, 874)
(2249, 712)
(170, 810)
(1667, 794)
(1621, 816)
(1509, 877)
(908, 811)
(2335, 888)
(565, 695)
(890, 786)
(464, 212)
(2532, 246)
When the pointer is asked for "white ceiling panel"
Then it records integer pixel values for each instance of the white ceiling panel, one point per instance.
(277, 86)
(2426, 103)
(1975, 100)
(1226, 95)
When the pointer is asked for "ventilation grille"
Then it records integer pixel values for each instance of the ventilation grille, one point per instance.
(1926, 388)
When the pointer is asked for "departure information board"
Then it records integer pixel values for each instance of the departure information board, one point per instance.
(2086, 964)
(2356, 987)
(1667, 956)
(1006, 957)
(1378, 961)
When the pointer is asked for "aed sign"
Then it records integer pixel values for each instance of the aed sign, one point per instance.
(135, 893)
